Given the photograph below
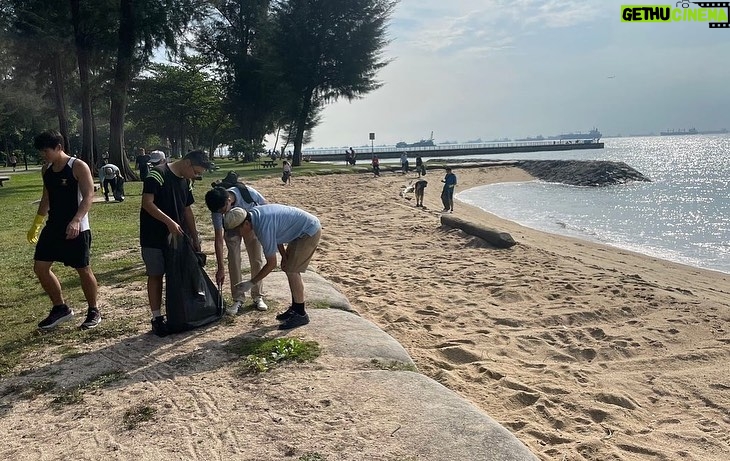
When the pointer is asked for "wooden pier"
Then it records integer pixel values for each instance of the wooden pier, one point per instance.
(363, 154)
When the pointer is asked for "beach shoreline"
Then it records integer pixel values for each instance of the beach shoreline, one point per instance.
(582, 350)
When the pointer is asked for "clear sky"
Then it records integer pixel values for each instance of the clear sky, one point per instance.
(468, 69)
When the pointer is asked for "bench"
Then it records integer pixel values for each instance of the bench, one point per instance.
(3, 179)
(268, 163)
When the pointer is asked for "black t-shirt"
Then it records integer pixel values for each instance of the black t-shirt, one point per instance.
(143, 164)
(172, 195)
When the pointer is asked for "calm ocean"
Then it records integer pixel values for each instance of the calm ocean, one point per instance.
(683, 215)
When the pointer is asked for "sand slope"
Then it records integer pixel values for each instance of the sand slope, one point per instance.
(583, 351)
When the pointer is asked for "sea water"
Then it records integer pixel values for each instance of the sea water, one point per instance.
(682, 215)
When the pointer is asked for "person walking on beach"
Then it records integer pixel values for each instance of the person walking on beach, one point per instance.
(167, 195)
(447, 194)
(420, 167)
(286, 173)
(13, 161)
(275, 226)
(404, 162)
(420, 189)
(219, 201)
(376, 165)
(68, 191)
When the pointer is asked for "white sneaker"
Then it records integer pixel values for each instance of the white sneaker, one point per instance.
(259, 304)
(233, 308)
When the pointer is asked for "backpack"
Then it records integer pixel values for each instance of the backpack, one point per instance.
(231, 180)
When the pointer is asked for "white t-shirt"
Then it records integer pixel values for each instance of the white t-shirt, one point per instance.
(239, 202)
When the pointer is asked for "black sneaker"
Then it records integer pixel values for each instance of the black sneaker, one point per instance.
(159, 326)
(93, 319)
(294, 320)
(57, 315)
(285, 315)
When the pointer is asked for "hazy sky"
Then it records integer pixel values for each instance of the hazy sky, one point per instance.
(468, 69)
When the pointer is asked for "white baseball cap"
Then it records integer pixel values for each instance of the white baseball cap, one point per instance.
(157, 156)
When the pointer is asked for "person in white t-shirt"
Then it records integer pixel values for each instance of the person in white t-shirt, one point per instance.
(219, 200)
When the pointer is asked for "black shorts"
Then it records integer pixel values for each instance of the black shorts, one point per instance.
(53, 246)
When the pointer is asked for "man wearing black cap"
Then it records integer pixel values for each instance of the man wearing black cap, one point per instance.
(167, 194)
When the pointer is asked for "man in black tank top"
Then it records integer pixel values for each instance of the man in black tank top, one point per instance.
(68, 190)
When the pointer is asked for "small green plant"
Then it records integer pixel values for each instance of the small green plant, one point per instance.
(393, 365)
(31, 390)
(75, 395)
(312, 457)
(261, 355)
(71, 396)
(105, 379)
(137, 415)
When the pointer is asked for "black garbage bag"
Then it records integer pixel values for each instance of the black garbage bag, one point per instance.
(191, 298)
(119, 189)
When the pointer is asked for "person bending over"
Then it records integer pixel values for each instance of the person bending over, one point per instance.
(292, 231)
(219, 200)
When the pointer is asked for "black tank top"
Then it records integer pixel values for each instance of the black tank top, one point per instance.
(63, 195)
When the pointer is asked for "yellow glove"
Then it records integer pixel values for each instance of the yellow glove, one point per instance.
(35, 229)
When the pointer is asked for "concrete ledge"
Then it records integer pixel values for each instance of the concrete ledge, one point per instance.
(365, 366)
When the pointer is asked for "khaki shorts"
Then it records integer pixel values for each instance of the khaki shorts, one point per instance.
(300, 252)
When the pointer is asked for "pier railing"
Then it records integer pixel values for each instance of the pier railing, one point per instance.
(453, 149)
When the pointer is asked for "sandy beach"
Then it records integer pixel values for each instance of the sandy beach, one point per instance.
(583, 351)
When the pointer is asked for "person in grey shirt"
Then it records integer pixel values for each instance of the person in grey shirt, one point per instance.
(108, 174)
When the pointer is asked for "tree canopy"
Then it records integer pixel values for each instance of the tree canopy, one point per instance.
(238, 70)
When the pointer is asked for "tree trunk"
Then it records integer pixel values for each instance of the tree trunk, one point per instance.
(60, 100)
(82, 56)
(301, 128)
(122, 77)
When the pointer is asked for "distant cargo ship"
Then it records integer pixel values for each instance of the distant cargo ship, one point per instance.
(593, 134)
(678, 132)
(421, 143)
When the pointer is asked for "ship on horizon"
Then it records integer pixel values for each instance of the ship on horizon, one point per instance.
(679, 132)
(422, 143)
(593, 134)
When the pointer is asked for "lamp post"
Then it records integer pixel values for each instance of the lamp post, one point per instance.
(372, 145)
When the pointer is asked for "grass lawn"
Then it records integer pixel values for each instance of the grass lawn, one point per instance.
(115, 260)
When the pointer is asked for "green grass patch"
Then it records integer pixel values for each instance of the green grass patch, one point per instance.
(392, 365)
(318, 305)
(312, 457)
(115, 260)
(31, 390)
(137, 415)
(260, 355)
(75, 395)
